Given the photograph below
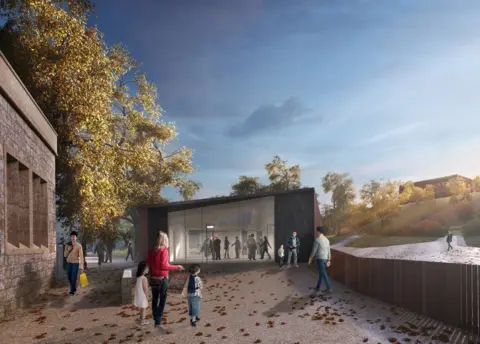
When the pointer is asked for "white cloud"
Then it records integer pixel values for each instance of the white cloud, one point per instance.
(399, 131)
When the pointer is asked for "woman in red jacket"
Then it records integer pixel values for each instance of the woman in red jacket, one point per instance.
(159, 266)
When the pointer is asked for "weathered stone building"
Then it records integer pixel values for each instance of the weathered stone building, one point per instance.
(28, 146)
(440, 185)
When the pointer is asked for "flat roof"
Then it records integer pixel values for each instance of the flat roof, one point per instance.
(205, 202)
(15, 92)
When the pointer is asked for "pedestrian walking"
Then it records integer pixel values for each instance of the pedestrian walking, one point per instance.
(322, 255)
(100, 251)
(75, 260)
(193, 291)
(449, 241)
(159, 267)
(129, 250)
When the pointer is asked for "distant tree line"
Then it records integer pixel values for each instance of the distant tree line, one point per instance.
(377, 201)
(380, 201)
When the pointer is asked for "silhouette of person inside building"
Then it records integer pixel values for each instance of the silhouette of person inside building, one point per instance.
(212, 248)
(206, 248)
(264, 248)
(218, 246)
(226, 247)
(252, 247)
(238, 246)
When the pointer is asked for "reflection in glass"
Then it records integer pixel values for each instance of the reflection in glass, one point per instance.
(197, 234)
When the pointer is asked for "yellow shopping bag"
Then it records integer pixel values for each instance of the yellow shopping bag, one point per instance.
(83, 280)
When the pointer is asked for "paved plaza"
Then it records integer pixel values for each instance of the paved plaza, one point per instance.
(242, 304)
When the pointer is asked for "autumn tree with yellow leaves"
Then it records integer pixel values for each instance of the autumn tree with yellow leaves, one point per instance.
(113, 143)
(282, 177)
(458, 190)
(476, 184)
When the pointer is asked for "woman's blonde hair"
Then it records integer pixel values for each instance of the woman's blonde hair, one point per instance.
(162, 240)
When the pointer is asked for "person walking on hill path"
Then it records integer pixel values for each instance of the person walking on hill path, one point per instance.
(322, 255)
(449, 241)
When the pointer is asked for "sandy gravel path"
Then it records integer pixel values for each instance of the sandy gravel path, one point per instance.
(266, 305)
(429, 251)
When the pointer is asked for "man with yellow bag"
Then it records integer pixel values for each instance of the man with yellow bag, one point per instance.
(74, 255)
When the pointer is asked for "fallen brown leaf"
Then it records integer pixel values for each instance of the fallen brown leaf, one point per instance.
(40, 336)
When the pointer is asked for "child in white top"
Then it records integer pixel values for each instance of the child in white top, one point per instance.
(281, 255)
(141, 292)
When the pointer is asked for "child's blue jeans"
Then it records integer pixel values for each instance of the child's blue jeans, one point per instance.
(194, 306)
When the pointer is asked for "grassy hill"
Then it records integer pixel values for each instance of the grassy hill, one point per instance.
(425, 221)
(432, 218)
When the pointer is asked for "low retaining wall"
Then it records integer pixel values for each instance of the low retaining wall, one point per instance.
(127, 282)
(443, 291)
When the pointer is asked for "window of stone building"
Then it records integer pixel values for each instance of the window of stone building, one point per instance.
(40, 211)
(18, 203)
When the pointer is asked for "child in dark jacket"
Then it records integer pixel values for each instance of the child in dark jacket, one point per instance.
(193, 292)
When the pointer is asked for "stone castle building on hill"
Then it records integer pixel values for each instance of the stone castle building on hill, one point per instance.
(28, 147)
(440, 185)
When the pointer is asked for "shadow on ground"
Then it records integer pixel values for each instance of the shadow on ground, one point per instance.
(236, 268)
(102, 333)
(373, 315)
(104, 288)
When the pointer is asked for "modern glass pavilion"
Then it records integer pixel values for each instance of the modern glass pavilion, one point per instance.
(191, 225)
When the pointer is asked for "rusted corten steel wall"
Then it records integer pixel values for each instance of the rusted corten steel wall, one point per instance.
(443, 291)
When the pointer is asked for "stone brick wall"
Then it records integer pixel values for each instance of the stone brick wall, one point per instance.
(27, 211)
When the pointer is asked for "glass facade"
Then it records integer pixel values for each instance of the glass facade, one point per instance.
(195, 233)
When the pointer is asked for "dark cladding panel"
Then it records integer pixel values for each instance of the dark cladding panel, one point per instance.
(157, 221)
(294, 212)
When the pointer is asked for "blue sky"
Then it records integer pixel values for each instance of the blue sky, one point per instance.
(379, 89)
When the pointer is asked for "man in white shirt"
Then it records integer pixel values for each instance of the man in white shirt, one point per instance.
(322, 255)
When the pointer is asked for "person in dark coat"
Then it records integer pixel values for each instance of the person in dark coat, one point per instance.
(226, 247)
(100, 251)
(212, 248)
(293, 246)
(238, 246)
(206, 248)
(109, 251)
(129, 250)
(449, 241)
(218, 246)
